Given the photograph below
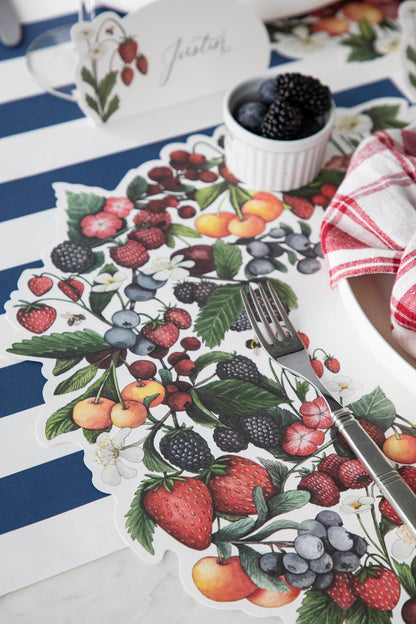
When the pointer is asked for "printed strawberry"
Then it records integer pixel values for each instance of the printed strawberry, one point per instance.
(377, 587)
(331, 465)
(388, 512)
(353, 474)
(131, 255)
(151, 237)
(142, 64)
(317, 366)
(127, 75)
(36, 317)
(322, 488)
(409, 475)
(332, 364)
(128, 50)
(305, 339)
(40, 284)
(340, 590)
(301, 207)
(375, 433)
(182, 507)
(160, 333)
(232, 489)
(179, 317)
(72, 288)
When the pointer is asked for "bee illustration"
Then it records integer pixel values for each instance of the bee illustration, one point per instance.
(73, 319)
(254, 345)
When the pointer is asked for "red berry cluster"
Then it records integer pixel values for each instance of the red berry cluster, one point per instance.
(303, 207)
(193, 166)
(128, 51)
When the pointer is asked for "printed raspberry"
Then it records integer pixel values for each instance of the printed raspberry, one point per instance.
(302, 208)
(151, 238)
(321, 487)
(239, 367)
(230, 440)
(157, 219)
(262, 430)
(282, 121)
(242, 323)
(186, 449)
(131, 255)
(331, 465)
(203, 291)
(185, 292)
(353, 474)
(375, 433)
(73, 256)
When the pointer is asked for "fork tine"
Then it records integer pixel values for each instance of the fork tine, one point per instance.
(253, 319)
(285, 319)
(261, 314)
(266, 300)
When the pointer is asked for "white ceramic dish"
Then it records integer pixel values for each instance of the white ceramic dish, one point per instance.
(367, 301)
(268, 164)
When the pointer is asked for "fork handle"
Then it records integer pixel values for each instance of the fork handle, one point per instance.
(391, 484)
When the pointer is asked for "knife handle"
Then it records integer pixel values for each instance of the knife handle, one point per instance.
(391, 484)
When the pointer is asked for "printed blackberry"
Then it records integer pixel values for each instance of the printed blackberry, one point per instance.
(240, 367)
(242, 323)
(203, 291)
(282, 121)
(230, 440)
(73, 256)
(230, 420)
(186, 449)
(185, 292)
(261, 430)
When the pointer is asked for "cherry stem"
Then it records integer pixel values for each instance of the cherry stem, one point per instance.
(114, 375)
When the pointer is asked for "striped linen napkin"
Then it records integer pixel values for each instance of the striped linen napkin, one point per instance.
(370, 225)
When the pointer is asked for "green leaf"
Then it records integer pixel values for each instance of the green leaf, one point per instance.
(235, 530)
(366, 30)
(224, 548)
(112, 107)
(63, 365)
(92, 103)
(386, 526)
(152, 459)
(273, 527)
(277, 471)
(360, 613)
(227, 259)
(137, 189)
(105, 87)
(317, 606)
(287, 501)
(250, 561)
(65, 345)
(79, 206)
(88, 77)
(177, 229)
(207, 359)
(78, 380)
(411, 54)
(376, 408)
(285, 292)
(200, 414)
(239, 396)
(383, 116)
(261, 506)
(406, 578)
(206, 196)
(279, 266)
(91, 435)
(215, 318)
(238, 197)
(412, 78)
(139, 524)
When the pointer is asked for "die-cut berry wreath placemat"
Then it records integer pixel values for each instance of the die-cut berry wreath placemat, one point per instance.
(208, 448)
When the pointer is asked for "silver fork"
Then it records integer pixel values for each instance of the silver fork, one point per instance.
(281, 340)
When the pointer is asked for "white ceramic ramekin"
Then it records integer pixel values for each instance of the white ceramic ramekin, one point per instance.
(269, 164)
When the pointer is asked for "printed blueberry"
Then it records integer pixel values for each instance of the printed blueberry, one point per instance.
(260, 266)
(277, 232)
(360, 545)
(329, 518)
(322, 565)
(250, 115)
(318, 250)
(295, 564)
(142, 346)
(323, 581)
(148, 281)
(314, 527)
(272, 563)
(307, 266)
(258, 249)
(299, 242)
(309, 546)
(300, 581)
(126, 318)
(137, 293)
(120, 337)
(340, 538)
(345, 561)
(267, 91)
(275, 250)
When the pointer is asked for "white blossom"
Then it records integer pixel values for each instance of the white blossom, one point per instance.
(343, 386)
(164, 268)
(405, 544)
(357, 504)
(105, 282)
(111, 453)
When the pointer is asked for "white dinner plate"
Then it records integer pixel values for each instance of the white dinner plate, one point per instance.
(367, 301)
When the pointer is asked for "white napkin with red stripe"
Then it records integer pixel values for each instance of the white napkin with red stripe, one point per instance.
(370, 225)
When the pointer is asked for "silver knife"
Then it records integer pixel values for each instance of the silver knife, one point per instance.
(10, 29)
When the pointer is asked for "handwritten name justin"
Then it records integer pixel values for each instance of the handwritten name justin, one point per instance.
(195, 47)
